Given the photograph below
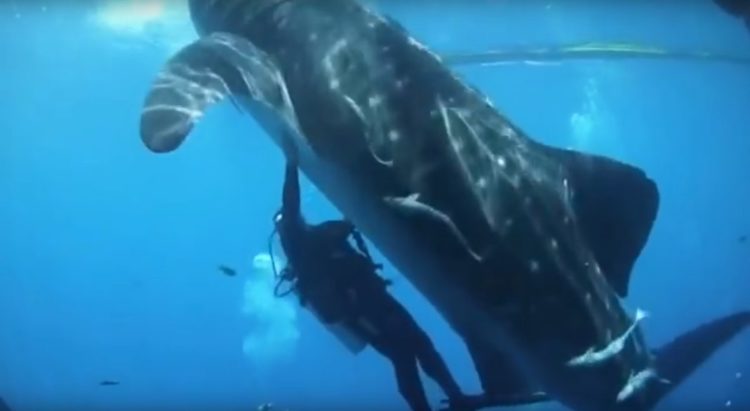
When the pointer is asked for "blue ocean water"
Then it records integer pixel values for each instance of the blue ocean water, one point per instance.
(109, 253)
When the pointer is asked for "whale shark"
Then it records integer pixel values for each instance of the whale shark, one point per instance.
(526, 250)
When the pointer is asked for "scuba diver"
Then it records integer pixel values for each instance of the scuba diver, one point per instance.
(340, 284)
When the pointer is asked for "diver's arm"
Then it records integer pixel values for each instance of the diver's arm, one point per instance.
(291, 195)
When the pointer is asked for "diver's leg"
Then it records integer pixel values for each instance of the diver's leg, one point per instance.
(405, 367)
(429, 358)
(434, 365)
(409, 383)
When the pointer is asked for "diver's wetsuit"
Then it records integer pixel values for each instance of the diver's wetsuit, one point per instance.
(343, 286)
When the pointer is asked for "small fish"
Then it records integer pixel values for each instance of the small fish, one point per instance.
(228, 271)
(637, 382)
(269, 407)
(107, 383)
(592, 357)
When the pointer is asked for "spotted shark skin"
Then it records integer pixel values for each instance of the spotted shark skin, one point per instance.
(523, 248)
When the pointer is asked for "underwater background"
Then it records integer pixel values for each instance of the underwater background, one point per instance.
(110, 295)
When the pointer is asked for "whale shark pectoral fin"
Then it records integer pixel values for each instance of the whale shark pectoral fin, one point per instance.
(674, 362)
(183, 89)
(203, 73)
(502, 383)
(615, 206)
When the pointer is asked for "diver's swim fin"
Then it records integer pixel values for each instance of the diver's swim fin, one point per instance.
(503, 384)
(480, 401)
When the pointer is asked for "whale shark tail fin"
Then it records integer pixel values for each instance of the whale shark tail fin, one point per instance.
(677, 360)
(3, 405)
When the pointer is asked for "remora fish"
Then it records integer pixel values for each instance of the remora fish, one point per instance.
(525, 249)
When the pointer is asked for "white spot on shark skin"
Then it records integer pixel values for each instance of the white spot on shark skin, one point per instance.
(637, 382)
(375, 100)
(507, 132)
(482, 182)
(534, 266)
(400, 84)
(334, 84)
(501, 161)
(592, 357)
(313, 37)
(393, 136)
(553, 243)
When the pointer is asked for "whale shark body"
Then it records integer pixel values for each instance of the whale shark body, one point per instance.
(525, 249)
